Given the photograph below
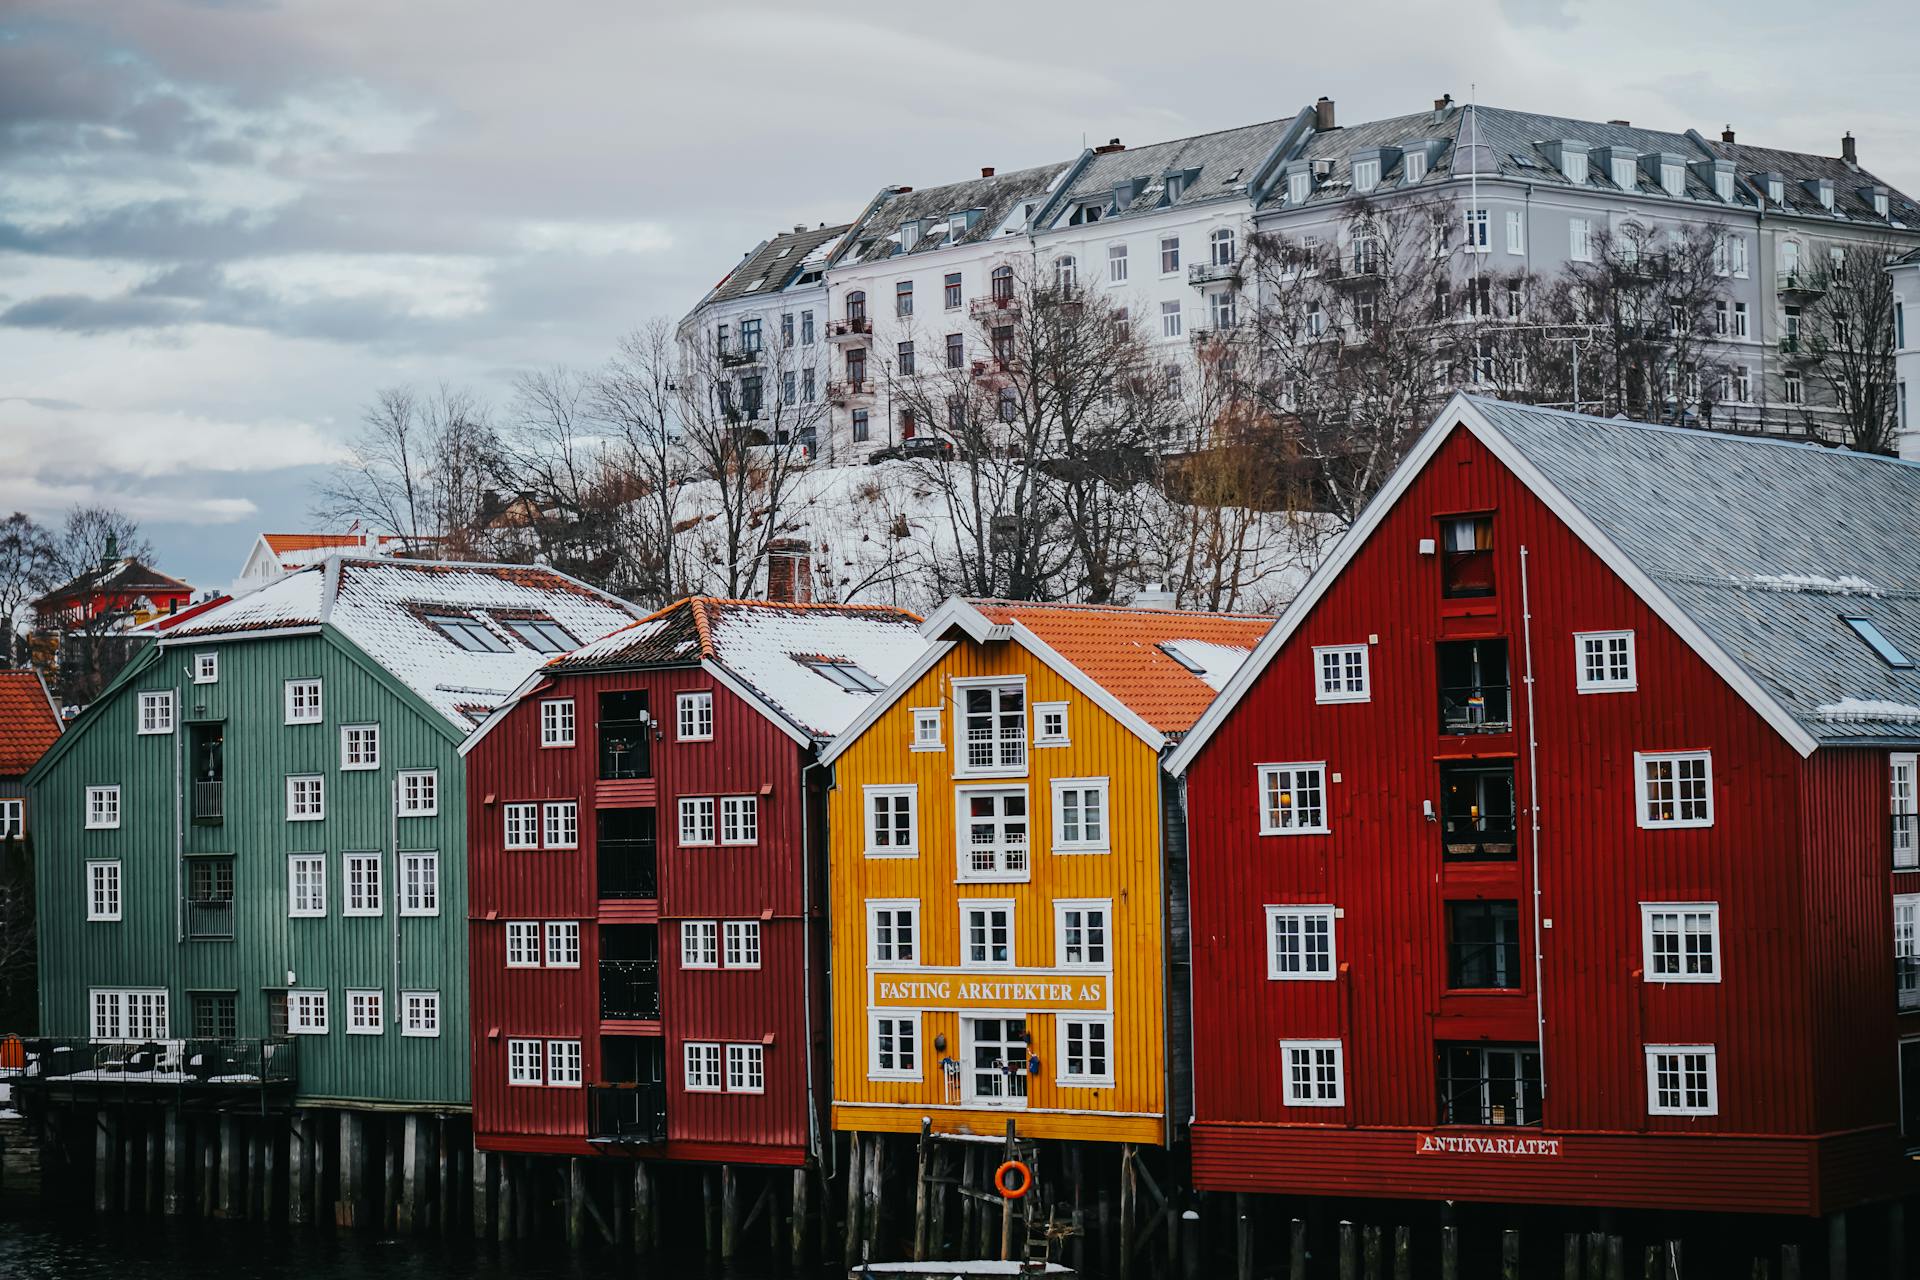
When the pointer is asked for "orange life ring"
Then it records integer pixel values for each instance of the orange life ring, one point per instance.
(1000, 1180)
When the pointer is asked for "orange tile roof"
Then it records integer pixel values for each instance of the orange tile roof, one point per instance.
(1119, 649)
(285, 542)
(28, 723)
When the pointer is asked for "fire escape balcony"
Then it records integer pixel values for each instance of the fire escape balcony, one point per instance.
(1206, 273)
(993, 307)
(851, 329)
(628, 1113)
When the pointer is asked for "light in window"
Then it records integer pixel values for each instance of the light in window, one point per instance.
(1676, 790)
(1292, 798)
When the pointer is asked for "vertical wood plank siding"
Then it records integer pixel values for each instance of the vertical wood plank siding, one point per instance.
(1802, 1018)
(1133, 1108)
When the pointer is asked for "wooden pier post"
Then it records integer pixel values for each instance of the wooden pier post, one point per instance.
(1129, 1208)
(645, 1231)
(1006, 1205)
(505, 1213)
(709, 1212)
(872, 1197)
(1297, 1250)
(801, 1177)
(1402, 1253)
(1349, 1252)
(484, 1176)
(1837, 1246)
(1572, 1267)
(944, 1162)
(1510, 1254)
(267, 1194)
(178, 1193)
(856, 1174)
(969, 1199)
(920, 1225)
(446, 1166)
(729, 1213)
(156, 1163)
(1789, 1262)
(1449, 1252)
(1616, 1258)
(1370, 1252)
(409, 1213)
(1242, 1238)
(392, 1138)
(106, 1158)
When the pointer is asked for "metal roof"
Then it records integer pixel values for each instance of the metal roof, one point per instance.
(773, 264)
(873, 237)
(1219, 166)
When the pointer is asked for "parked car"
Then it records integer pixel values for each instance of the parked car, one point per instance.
(915, 447)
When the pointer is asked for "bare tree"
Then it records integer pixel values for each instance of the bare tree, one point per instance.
(85, 648)
(1846, 334)
(636, 398)
(29, 566)
(422, 468)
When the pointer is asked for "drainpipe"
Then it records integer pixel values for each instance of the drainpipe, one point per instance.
(806, 968)
(179, 821)
(1533, 804)
(393, 878)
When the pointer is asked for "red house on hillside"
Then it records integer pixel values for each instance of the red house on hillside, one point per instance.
(648, 930)
(121, 590)
(1541, 852)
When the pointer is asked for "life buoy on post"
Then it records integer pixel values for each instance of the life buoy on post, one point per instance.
(1000, 1180)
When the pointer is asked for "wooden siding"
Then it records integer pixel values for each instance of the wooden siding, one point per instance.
(145, 947)
(1803, 915)
(1133, 1109)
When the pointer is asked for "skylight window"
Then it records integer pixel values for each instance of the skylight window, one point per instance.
(467, 632)
(542, 635)
(1182, 659)
(845, 674)
(1878, 642)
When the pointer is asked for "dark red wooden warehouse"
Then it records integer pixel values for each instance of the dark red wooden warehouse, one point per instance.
(1554, 846)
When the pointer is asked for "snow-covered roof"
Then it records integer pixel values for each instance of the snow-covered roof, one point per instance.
(786, 655)
(387, 609)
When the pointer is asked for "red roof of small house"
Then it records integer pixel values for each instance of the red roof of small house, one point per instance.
(123, 577)
(29, 723)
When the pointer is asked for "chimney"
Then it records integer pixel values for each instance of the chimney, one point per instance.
(986, 171)
(1323, 114)
(789, 571)
(1113, 145)
(798, 227)
(111, 555)
(1442, 102)
(1726, 135)
(1847, 150)
(1153, 595)
(1624, 124)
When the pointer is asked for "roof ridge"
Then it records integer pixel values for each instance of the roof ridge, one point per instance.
(702, 626)
(1090, 607)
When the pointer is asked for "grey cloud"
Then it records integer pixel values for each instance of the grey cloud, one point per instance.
(78, 313)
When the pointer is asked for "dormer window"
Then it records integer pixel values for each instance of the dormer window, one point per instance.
(1776, 189)
(1823, 191)
(1416, 167)
(909, 236)
(1083, 214)
(1366, 175)
(1625, 175)
(1880, 201)
(1176, 186)
(1723, 186)
(1299, 187)
(956, 228)
(1573, 165)
(1673, 178)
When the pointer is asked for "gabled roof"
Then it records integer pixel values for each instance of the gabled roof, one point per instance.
(773, 264)
(1754, 550)
(297, 550)
(875, 237)
(123, 576)
(29, 722)
(770, 651)
(382, 607)
(1153, 670)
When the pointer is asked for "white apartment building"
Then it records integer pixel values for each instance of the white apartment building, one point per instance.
(1906, 352)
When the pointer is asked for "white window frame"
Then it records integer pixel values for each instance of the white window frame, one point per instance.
(305, 701)
(1041, 737)
(1294, 1098)
(1906, 946)
(366, 1011)
(103, 808)
(1643, 789)
(557, 817)
(316, 866)
(128, 1013)
(319, 812)
(740, 944)
(13, 819)
(1303, 912)
(1172, 319)
(1584, 682)
(1649, 910)
(746, 1062)
(1478, 224)
(1117, 264)
(362, 861)
(520, 824)
(557, 722)
(908, 907)
(1366, 175)
(1061, 906)
(352, 760)
(1516, 232)
(420, 1015)
(104, 901)
(926, 730)
(700, 1061)
(693, 716)
(523, 944)
(155, 714)
(1341, 690)
(962, 768)
(989, 905)
(1169, 255)
(1655, 1051)
(560, 944)
(1266, 772)
(1062, 1026)
(1579, 240)
(566, 1065)
(306, 1011)
(869, 795)
(418, 801)
(1103, 843)
(899, 1017)
(1002, 871)
(741, 816)
(525, 1063)
(705, 816)
(1903, 801)
(699, 944)
(206, 667)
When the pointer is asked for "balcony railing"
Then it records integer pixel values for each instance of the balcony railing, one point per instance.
(209, 919)
(843, 390)
(625, 750)
(993, 306)
(1484, 966)
(1489, 837)
(94, 1066)
(634, 1113)
(1905, 828)
(209, 801)
(739, 356)
(630, 990)
(849, 329)
(1200, 273)
(1906, 983)
(1476, 708)
(629, 868)
(1798, 282)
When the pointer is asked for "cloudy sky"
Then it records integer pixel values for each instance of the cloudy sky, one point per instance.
(224, 224)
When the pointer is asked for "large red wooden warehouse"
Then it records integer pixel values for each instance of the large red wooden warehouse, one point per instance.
(1541, 852)
(647, 914)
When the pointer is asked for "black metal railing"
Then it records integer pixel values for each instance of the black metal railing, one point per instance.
(209, 918)
(209, 801)
(1905, 830)
(625, 749)
(1476, 708)
(634, 1113)
(1488, 1084)
(1906, 983)
(1489, 837)
(1484, 966)
(628, 868)
(81, 1065)
(630, 989)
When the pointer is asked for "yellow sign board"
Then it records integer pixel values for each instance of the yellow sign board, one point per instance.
(1013, 991)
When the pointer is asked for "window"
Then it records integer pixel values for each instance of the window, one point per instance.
(1050, 724)
(523, 944)
(806, 328)
(103, 808)
(786, 329)
(850, 676)
(1477, 230)
(809, 385)
(103, 891)
(1483, 945)
(307, 884)
(420, 884)
(739, 819)
(1080, 815)
(903, 298)
(359, 746)
(1366, 175)
(1116, 264)
(1737, 256)
(993, 726)
(206, 668)
(1580, 239)
(1299, 187)
(1342, 673)
(1681, 1080)
(365, 1015)
(952, 298)
(1488, 1084)
(1314, 1077)
(746, 1068)
(994, 1054)
(926, 729)
(993, 834)
(956, 350)
(1169, 255)
(1065, 274)
(467, 632)
(363, 884)
(693, 716)
(556, 722)
(1516, 232)
(563, 944)
(1793, 387)
(1466, 563)
(893, 930)
(703, 1067)
(742, 944)
(696, 820)
(138, 1014)
(904, 363)
(892, 821)
(523, 1062)
(1680, 941)
(563, 1064)
(307, 1013)
(419, 793)
(1224, 304)
(560, 824)
(420, 1013)
(1170, 319)
(986, 935)
(303, 701)
(1626, 174)
(1085, 1051)
(1906, 950)
(523, 831)
(893, 1041)
(215, 1015)
(1876, 640)
(699, 944)
(1080, 934)
(544, 635)
(156, 712)
(13, 819)
(1301, 947)
(1222, 248)
(1293, 799)
(306, 798)
(1903, 803)
(1606, 661)
(1676, 789)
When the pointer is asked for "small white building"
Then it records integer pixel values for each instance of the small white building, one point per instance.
(274, 555)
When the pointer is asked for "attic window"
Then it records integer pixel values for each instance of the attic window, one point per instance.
(1626, 175)
(1878, 642)
(467, 632)
(1776, 190)
(758, 284)
(1573, 165)
(1673, 178)
(845, 674)
(784, 251)
(1416, 167)
(1299, 187)
(542, 635)
(1086, 213)
(1524, 161)
(1233, 177)
(1182, 659)
(1176, 184)
(1723, 187)
(1366, 175)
